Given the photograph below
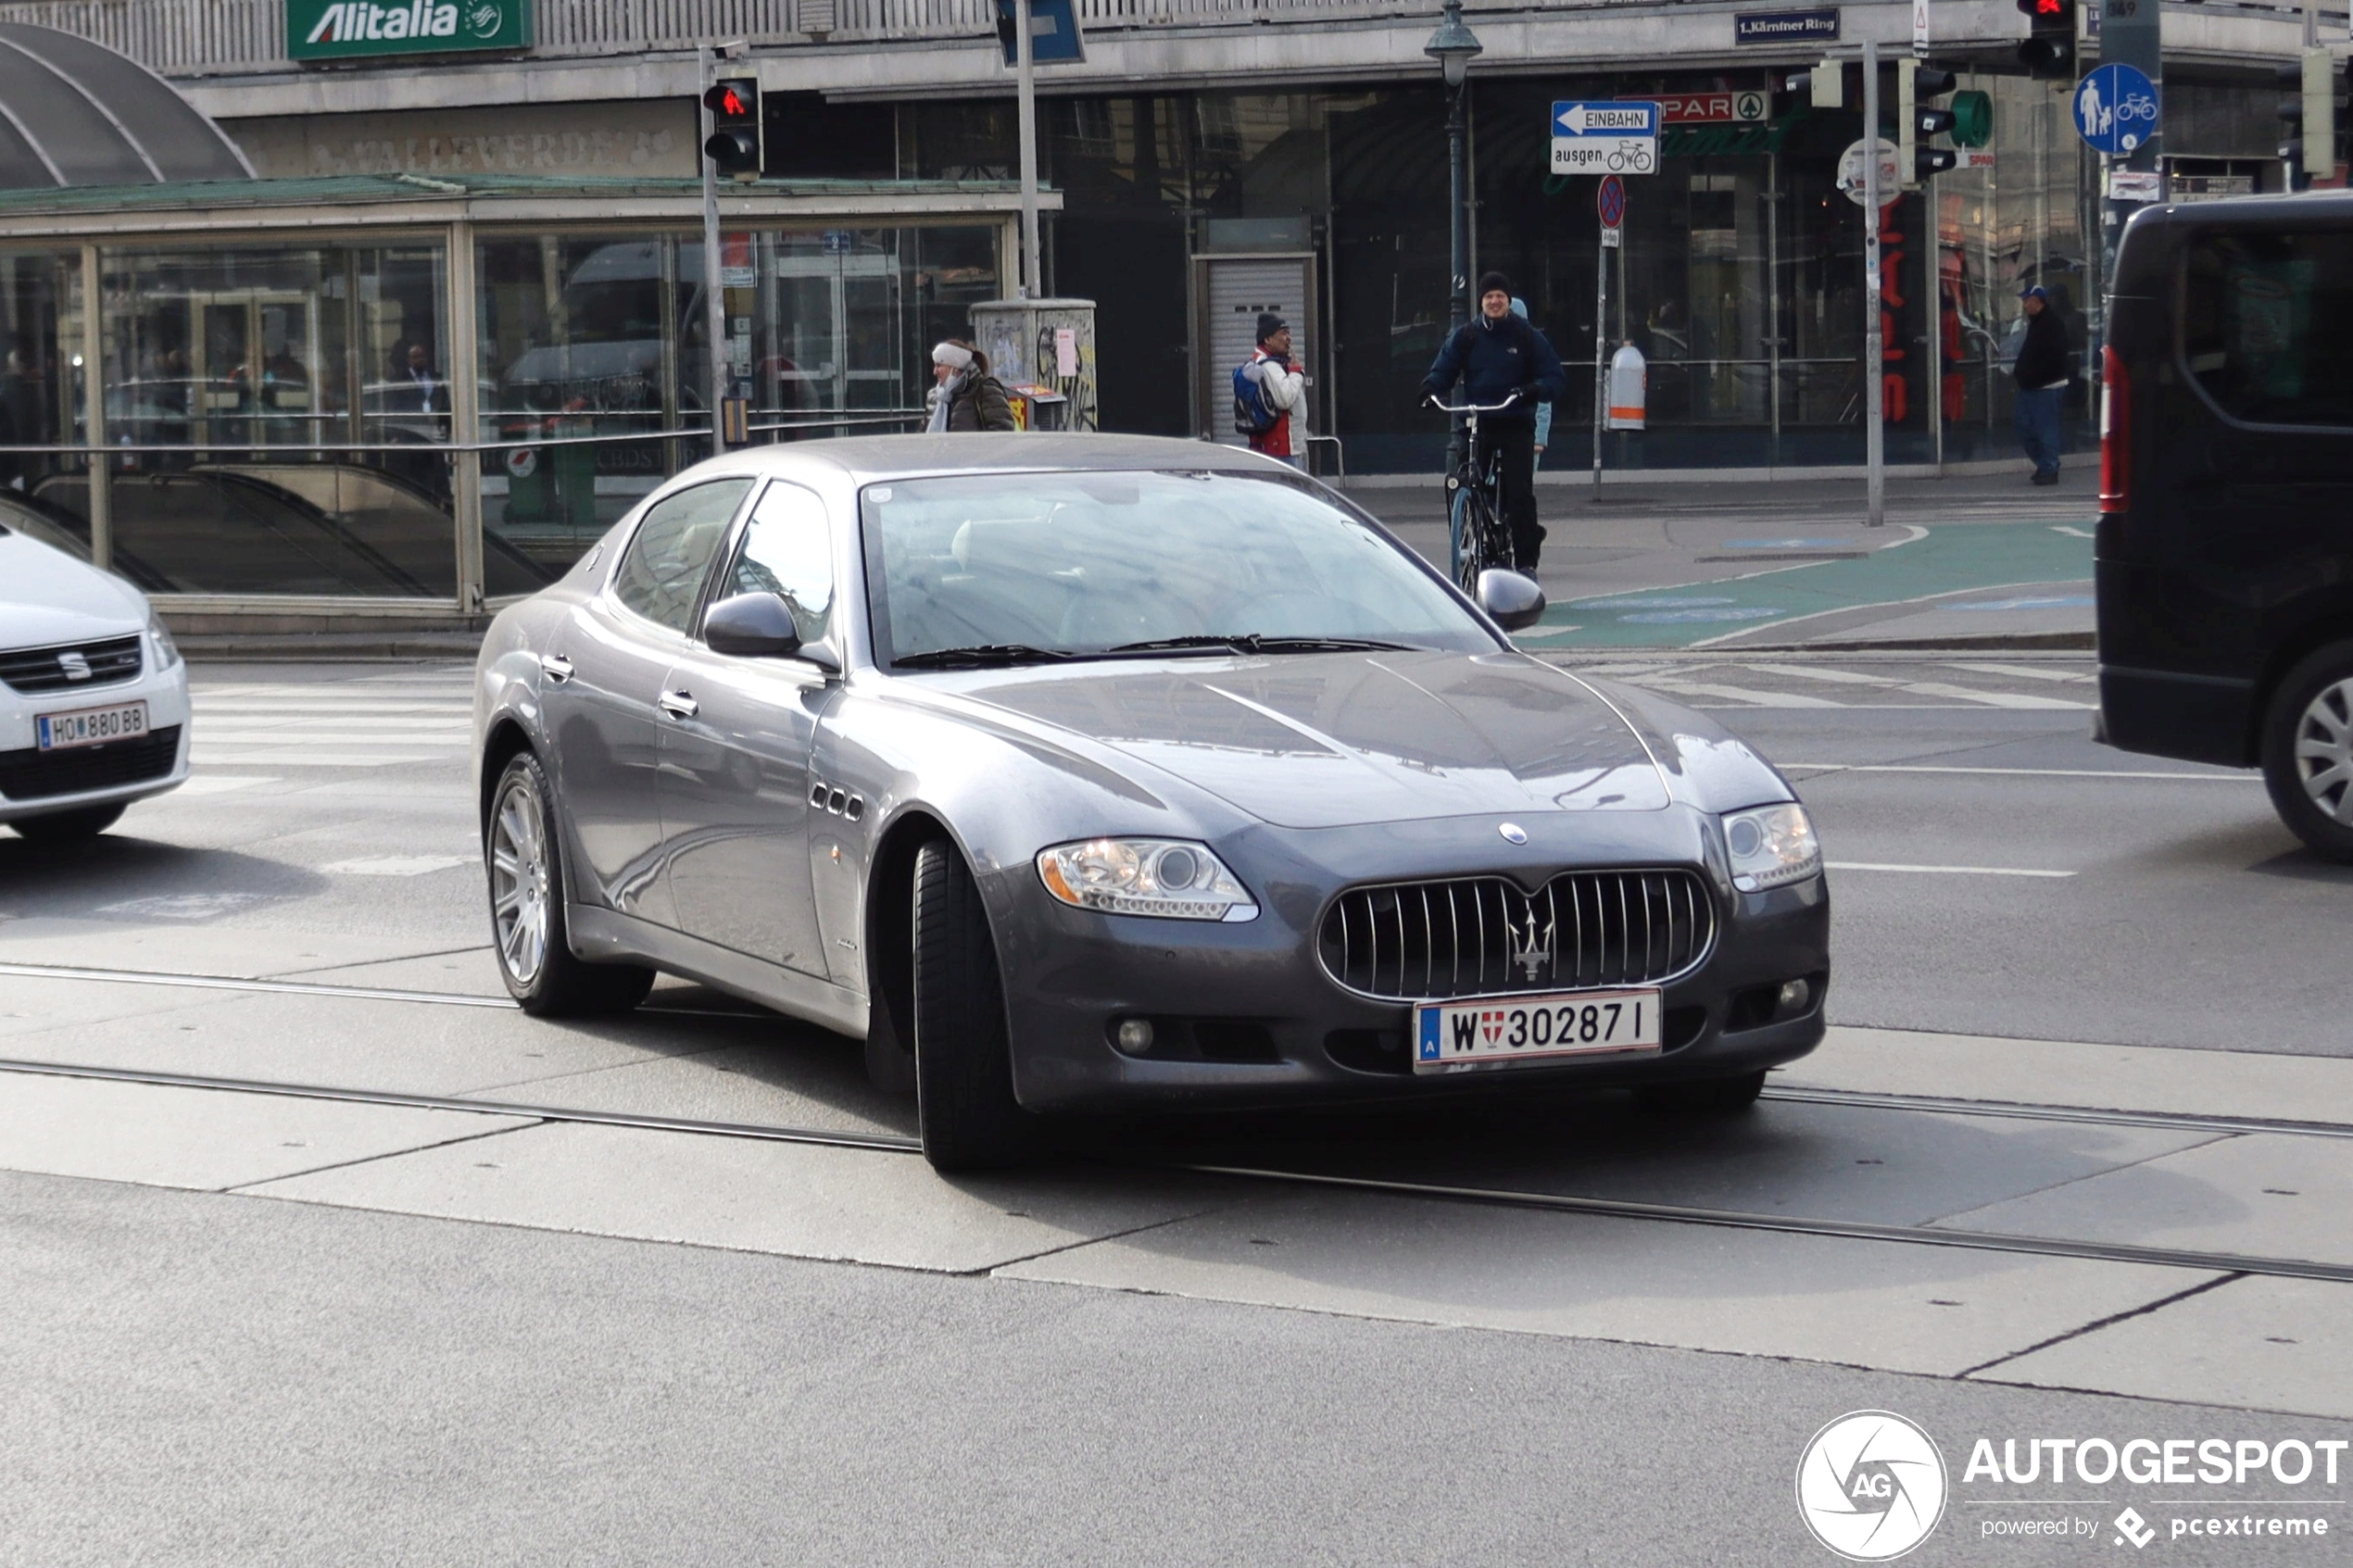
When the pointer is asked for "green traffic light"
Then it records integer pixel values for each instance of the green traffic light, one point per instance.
(1972, 120)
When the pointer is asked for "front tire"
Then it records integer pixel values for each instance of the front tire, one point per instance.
(522, 854)
(68, 827)
(2308, 751)
(964, 1054)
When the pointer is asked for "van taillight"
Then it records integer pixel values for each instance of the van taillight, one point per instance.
(2116, 433)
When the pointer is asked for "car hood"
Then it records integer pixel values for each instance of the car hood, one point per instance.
(47, 597)
(1336, 740)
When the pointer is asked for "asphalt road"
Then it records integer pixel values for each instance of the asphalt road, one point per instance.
(479, 1288)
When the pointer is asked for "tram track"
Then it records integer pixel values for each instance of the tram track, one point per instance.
(1790, 1094)
(1621, 1209)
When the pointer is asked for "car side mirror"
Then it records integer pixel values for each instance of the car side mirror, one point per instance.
(1512, 600)
(753, 626)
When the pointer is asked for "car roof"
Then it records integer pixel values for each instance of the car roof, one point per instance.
(867, 458)
(2272, 207)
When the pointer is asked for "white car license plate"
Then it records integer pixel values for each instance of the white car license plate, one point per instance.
(1502, 1031)
(90, 726)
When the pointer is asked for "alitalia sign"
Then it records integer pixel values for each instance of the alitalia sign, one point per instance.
(336, 29)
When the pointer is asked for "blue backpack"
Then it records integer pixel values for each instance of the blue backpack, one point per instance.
(1251, 417)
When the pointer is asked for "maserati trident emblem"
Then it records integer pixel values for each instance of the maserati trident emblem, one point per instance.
(1513, 833)
(1531, 949)
(74, 664)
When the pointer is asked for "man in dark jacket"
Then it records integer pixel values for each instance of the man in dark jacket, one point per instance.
(2042, 372)
(1500, 357)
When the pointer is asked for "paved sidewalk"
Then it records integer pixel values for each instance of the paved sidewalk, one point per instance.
(1979, 561)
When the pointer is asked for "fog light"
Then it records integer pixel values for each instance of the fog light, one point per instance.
(1135, 1035)
(1796, 994)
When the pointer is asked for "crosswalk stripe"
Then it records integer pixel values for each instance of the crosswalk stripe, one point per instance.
(199, 757)
(1740, 693)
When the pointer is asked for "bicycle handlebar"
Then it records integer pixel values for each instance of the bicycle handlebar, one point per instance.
(1472, 408)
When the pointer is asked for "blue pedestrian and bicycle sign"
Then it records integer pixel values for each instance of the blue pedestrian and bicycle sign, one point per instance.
(2115, 108)
(1607, 136)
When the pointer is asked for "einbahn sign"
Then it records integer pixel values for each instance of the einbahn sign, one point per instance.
(341, 30)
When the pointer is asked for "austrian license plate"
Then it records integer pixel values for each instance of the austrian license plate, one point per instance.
(1503, 1031)
(90, 726)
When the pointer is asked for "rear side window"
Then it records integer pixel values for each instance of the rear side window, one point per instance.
(663, 570)
(2267, 325)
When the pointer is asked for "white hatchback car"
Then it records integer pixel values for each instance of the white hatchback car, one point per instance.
(94, 697)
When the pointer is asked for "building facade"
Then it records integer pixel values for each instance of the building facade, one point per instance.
(1216, 158)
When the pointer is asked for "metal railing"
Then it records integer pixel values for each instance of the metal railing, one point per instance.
(216, 37)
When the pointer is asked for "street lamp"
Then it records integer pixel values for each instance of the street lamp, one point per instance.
(1452, 46)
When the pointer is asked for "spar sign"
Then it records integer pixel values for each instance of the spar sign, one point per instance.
(339, 30)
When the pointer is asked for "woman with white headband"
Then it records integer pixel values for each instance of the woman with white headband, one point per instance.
(965, 397)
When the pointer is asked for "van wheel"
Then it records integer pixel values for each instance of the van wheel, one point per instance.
(964, 1054)
(2308, 750)
(523, 854)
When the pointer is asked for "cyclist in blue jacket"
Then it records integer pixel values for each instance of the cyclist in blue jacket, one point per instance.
(1496, 355)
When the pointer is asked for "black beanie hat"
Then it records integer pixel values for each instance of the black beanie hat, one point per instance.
(1269, 324)
(1488, 283)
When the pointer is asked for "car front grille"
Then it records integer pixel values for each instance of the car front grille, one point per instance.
(1482, 936)
(33, 775)
(72, 666)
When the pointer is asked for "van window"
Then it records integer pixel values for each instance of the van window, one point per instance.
(663, 570)
(2267, 325)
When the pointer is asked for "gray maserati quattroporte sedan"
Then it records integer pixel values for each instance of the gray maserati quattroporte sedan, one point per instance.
(1075, 773)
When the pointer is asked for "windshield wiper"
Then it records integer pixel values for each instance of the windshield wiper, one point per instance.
(980, 656)
(1251, 642)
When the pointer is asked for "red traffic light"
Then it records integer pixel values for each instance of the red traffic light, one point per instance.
(735, 100)
(2045, 9)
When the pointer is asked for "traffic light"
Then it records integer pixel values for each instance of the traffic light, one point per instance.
(2049, 49)
(2310, 119)
(1918, 118)
(734, 148)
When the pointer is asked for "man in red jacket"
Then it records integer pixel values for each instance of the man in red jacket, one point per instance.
(1279, 383)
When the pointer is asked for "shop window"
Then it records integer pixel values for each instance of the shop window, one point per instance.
(280, 417)
(2264, 320)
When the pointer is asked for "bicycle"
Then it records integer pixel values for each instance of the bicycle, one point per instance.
(1476, 537)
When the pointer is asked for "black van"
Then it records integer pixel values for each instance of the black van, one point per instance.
(2225, 545)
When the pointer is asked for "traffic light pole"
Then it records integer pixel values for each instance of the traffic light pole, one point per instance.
(1025, 75)
(714, 301)
(1874, 349)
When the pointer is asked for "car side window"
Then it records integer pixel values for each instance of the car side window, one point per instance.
(2265, 317)
(662, 570)
(788, 551)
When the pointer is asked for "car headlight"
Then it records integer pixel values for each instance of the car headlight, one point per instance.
(1771, 845)
(166, 651)
(1145, 876)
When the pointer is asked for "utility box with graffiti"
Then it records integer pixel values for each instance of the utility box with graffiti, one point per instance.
(1046, 348)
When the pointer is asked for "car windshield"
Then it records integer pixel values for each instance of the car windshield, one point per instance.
(1024, 567)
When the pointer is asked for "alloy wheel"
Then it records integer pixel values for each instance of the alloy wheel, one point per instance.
(519, 880)
(2324, 750)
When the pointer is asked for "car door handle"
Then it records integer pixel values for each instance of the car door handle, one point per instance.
(679, 705)
(556, 667)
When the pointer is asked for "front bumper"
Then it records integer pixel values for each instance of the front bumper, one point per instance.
(27, 787)
(1245, 1014)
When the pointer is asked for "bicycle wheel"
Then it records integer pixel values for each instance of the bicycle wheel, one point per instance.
(1457, 521)
(1482, 542)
